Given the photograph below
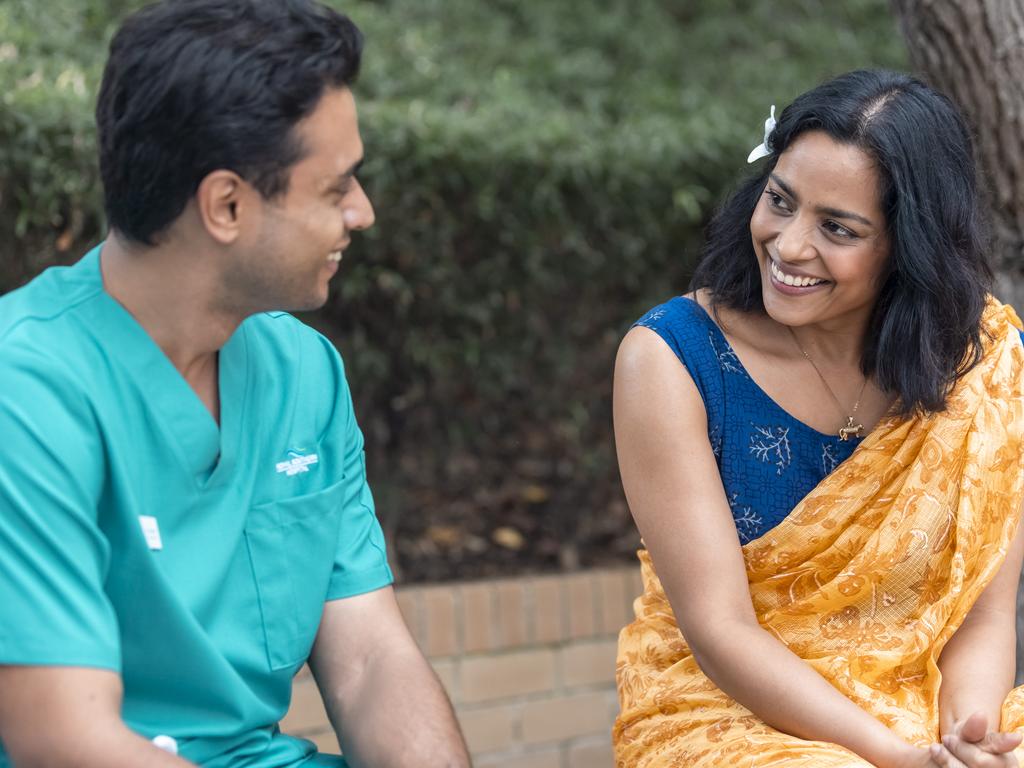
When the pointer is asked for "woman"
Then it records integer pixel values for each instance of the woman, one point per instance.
(821, 446)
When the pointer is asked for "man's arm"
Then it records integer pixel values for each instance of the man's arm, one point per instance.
(372, 675)
(60, 693)
(70, 716)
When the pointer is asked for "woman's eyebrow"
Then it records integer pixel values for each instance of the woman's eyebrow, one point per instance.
(836, 213)
(784, 187)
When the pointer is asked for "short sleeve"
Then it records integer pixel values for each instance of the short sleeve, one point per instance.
(53, 555)
(360, 563)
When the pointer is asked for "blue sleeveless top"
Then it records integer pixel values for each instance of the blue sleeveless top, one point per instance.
(768, 459)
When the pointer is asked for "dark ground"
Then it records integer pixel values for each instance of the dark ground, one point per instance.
(509, 528)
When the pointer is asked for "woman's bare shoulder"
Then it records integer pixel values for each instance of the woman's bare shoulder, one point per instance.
(650, 380)
(747, 328)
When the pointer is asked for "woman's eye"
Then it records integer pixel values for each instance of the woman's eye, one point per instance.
(838, 230)
(775, 200)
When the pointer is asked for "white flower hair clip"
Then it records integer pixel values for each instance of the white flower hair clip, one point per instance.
(761, 150)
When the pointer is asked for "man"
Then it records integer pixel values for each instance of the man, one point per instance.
(183, 502)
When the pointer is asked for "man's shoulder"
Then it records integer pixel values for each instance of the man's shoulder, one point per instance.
(289, 342)
(43, 380)
(40, 314)
(299, 369)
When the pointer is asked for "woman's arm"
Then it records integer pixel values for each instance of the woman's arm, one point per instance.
(978, 662)
(675, 494)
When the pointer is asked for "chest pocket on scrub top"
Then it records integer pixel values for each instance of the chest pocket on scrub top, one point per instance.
(292, 544)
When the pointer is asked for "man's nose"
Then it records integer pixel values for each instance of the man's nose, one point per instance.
(359, 212)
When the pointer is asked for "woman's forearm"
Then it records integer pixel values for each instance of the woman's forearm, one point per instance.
(977, 668)
(771, 681)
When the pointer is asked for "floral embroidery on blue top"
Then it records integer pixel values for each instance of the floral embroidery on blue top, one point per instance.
(828, 459)
(726, 357)
(768, 459)
(771, 444)
(747, 522)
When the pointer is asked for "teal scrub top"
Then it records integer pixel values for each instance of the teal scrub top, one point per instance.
(137, 536)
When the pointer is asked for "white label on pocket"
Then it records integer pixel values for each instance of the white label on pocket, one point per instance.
(151, 531)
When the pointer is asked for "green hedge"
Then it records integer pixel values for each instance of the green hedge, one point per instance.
(541, 172)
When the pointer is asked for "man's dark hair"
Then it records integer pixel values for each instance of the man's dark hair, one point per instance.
(193, 86)
(925, 332)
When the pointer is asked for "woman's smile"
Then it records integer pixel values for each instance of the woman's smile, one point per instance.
(792, 283)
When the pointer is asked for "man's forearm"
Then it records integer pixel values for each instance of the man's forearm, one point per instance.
(397, 688)
(977, 668)
(71, 716)
(115, 748)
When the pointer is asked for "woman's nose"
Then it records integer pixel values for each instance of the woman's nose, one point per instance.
(794, 242)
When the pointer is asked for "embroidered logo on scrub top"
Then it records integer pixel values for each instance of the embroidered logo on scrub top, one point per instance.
(296, 463)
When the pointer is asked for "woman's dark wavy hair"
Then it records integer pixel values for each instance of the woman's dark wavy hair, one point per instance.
(925, 330)
(193, 86)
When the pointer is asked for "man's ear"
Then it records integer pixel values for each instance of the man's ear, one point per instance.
(221, 200)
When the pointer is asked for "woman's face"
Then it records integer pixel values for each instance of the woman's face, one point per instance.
(820, 235)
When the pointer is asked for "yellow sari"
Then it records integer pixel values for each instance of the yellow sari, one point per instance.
(866, 580)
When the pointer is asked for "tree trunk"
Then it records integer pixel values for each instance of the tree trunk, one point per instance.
(973, 50)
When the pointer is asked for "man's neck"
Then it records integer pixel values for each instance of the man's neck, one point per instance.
(172, 292)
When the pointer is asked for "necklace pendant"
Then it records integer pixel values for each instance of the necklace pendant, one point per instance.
(850, 429)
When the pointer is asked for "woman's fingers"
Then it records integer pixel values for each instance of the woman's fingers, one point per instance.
(973, 756)
(998, 742)
(943, 758)
(973, 729)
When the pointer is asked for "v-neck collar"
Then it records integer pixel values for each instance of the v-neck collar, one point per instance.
(207, 452)
(720, 338)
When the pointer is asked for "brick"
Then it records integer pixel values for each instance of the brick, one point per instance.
(446, 673)
(306, 712)
(566, 717)
(548, 758)
(478, 624)
(549, 620)
(491, 729)
(615, 612)
(439, 617)
(588, 663)
(580, 594)
(409, 604)
(486, 678)
(591, 755)
(326, 742)
(511, 613)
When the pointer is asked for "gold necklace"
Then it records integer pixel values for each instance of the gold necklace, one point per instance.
(851, 428)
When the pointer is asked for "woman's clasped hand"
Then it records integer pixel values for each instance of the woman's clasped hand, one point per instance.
(971, 745)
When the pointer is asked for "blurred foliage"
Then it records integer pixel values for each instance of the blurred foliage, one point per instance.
(541, 171)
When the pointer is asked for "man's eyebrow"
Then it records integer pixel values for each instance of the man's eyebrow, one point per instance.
(354, 168)
(344, 176)
(836, 213)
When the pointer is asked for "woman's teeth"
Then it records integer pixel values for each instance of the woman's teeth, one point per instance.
(799, 282)
(336, 256)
